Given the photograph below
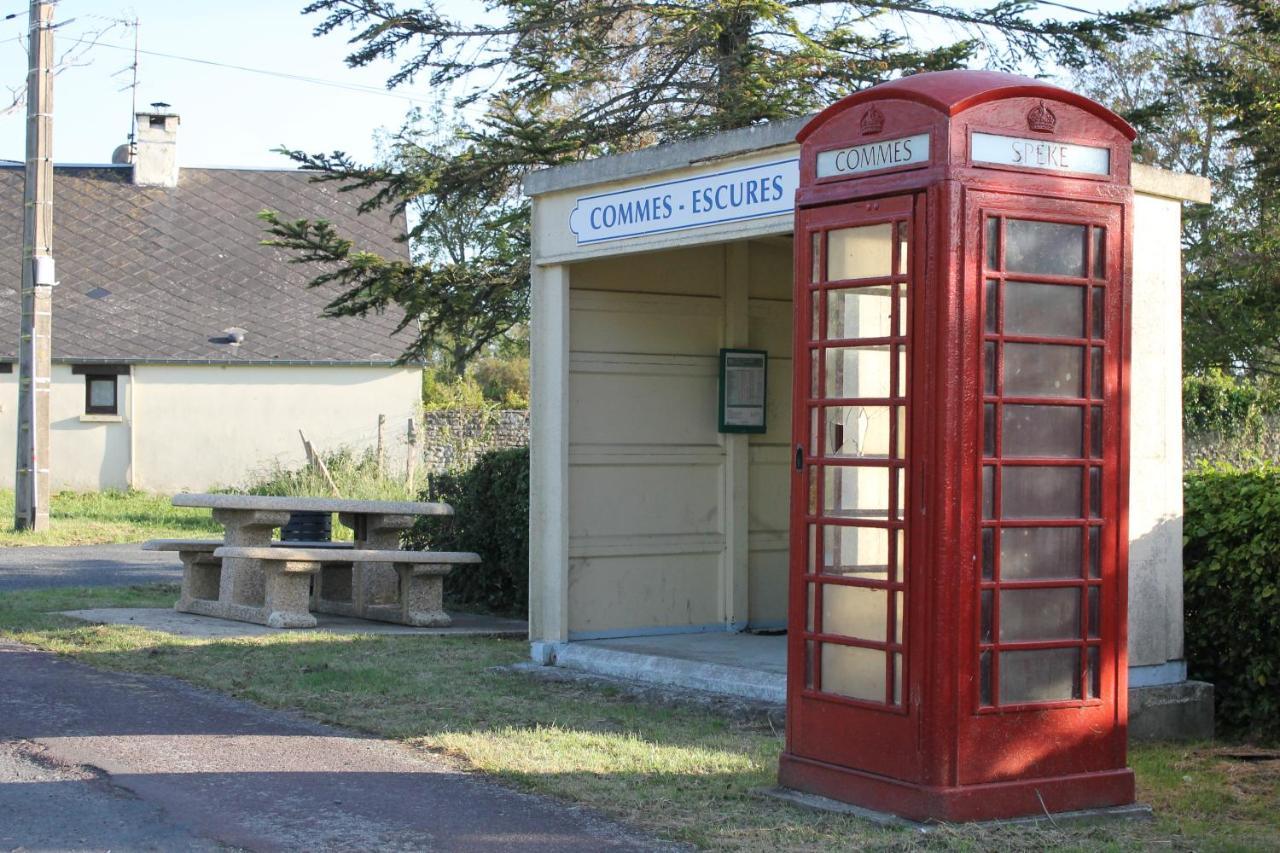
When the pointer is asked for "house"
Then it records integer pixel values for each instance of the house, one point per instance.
(187, 355)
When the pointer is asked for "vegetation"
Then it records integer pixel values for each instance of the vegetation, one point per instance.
(97, 518)
(1232, 591)
(548, 83)
(1203, 93)
(687, 773)
(491, 517)
(491, 382)
(355, 473)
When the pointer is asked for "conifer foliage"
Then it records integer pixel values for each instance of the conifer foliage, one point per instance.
(545, 82)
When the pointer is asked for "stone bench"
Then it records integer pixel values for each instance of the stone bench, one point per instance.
(202, 571)
(288, 571)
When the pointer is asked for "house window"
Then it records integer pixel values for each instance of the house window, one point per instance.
(100, 395)
(101, 387)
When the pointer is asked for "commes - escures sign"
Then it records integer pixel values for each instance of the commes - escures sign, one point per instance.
(750, 192)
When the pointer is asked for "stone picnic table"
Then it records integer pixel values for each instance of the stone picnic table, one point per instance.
(368, 590)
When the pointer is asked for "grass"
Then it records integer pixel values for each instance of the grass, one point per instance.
(98, 518)
(684, 773)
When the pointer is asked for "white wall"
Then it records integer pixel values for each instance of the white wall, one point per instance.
(184, 428)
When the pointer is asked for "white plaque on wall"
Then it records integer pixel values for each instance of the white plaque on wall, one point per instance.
(1039, 154)
(874, 156)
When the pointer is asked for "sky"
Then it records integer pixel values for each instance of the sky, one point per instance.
(230, 117)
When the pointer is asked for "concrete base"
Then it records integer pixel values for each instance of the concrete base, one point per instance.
(1181, 711)
(1137, 811)
(754, 667)
(192, 625)
(743, 665)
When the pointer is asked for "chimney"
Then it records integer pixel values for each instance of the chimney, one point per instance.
(155, 159)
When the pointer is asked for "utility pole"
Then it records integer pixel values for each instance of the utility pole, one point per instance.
(31, 507)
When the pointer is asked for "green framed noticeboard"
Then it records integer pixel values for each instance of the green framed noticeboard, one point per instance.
(743, 384)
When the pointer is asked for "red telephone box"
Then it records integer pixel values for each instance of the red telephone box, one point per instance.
(959, 499)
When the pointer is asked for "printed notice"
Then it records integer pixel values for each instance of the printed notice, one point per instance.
(743, 382)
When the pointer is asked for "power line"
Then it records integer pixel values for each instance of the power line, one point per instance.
(300, 78)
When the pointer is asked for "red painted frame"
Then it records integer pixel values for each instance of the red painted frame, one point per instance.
(942, 755)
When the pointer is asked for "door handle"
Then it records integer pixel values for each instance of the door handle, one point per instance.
(799, 457)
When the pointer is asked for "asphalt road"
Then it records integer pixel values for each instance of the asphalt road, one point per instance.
(98, 760)
(85, 565)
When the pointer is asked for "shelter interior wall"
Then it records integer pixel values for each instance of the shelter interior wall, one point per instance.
(651, 509)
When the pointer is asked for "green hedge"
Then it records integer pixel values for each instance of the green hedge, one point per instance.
(1232, 588)
(1217, 403)
(491, 517)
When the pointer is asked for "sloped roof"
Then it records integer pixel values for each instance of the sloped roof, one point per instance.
(183, 264)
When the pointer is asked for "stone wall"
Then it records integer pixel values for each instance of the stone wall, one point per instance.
(453, 439)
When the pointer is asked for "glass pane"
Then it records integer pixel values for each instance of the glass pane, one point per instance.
(860, 252)
(853, 672)
(1093, 611)
(856, 552)
(810, 656)
(814, 373)
(815, 326)
(814, 447)
(984, 668)
(901, 249)
(1042, 431)
(1095, 367)
(991, 311)
(1095, 552)
(852, 611)
(860, 312)
(1043, 309)
(900, 553)
(989, 430)
(813, 548)
(1043, 248)
(1043, 370)
(897, 616)
(1039, 614)
(857, 372)
(1037, 553)
(1099, 309)
(1095, 431)
(1099, 253)
(989, 367)
(810, 625)
(1094, 677)
(102, 393)
(903, 314)
(816, 271)
(1040, 492)
(1095, 492)
(861, 492)
(897, 679)
(988, 492)
(988, 553)
(993, 243)
(902, 372)
(902, 493)
(988, 600)
(1044, 675)
(856, 431)
(900, 446)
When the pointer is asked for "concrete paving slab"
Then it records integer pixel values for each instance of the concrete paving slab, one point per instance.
(236, 774)
(170, 621)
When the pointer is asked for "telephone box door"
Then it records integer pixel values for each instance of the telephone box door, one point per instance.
(1047, 636)
(850, 544)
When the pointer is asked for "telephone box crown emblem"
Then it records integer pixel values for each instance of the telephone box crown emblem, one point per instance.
(872, 121)
(1041, 118)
